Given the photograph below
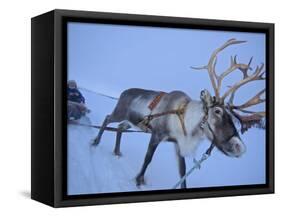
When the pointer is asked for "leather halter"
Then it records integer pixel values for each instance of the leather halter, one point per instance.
(205, 121)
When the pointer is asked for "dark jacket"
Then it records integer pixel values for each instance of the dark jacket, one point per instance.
(74, 95)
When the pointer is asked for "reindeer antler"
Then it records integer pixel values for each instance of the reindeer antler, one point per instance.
(216, 80)
(252, 118)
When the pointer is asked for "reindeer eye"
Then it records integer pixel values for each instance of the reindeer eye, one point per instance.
(218, 111)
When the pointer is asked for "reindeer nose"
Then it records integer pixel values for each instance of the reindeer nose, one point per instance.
(237, 147)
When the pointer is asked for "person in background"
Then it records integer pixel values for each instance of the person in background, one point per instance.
(75, 102)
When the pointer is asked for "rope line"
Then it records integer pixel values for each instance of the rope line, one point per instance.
(98, 93)
(197, 165)
(113, 129)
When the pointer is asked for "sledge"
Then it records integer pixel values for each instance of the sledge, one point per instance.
(76, 111)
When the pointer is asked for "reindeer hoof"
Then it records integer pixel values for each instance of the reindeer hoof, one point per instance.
(140, 181)
(117, 153)
(95, 142)
(183, 185)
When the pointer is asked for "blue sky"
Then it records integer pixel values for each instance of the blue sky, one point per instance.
(111, 58)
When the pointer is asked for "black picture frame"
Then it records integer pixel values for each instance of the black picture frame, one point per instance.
(49, 121)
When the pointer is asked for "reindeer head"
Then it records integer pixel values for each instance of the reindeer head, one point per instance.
(220, 126)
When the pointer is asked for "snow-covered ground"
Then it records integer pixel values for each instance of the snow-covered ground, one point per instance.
(97, 170)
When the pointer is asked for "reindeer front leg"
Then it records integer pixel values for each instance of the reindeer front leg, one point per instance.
(154, 142)
(181, 164)
(182, 169)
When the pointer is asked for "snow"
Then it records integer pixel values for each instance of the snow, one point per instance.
(96, 170)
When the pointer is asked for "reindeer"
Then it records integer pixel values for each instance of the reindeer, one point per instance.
(177, 118)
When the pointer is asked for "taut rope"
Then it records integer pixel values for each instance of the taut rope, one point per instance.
(197, 165)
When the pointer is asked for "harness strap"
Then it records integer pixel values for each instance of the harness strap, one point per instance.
(179, 112)
(156, 100)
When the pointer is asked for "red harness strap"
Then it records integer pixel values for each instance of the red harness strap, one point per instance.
(156, 100)
(179, 112)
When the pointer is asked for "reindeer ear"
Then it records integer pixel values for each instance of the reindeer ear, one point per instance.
(214, 100)
(206, 98)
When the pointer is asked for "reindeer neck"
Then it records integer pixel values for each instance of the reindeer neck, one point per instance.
(194, 112)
